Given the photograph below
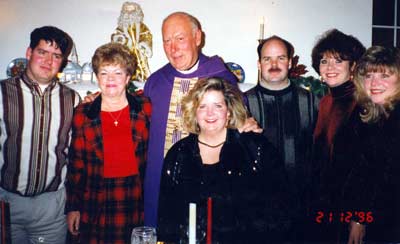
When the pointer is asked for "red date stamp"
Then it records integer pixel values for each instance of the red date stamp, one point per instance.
(344, 217)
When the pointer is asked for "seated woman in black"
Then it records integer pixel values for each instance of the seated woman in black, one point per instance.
(241, 172)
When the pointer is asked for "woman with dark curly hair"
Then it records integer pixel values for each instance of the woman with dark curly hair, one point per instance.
(334, 57)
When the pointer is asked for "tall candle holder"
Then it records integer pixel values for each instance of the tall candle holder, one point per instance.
(260, 39)
(261, 34)
(192, 223)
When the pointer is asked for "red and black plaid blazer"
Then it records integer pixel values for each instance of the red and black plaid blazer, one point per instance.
(85, 170)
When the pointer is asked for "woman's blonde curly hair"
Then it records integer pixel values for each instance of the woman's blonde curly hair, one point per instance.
(376, 59)
(232, 96)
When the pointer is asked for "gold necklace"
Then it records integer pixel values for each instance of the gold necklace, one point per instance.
(208, 145)
(116, 118)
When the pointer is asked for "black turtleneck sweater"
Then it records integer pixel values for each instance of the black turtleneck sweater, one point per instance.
(334, 110)
(288, 117)
(329, 176)
(281, 120)
(281, 116)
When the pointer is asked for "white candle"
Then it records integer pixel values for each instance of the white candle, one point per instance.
(192, 223)
(262, 28)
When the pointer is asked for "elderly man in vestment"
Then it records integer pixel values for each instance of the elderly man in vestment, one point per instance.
(166, 87)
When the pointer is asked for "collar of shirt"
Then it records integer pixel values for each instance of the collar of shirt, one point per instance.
(192, 69)
(33, 85)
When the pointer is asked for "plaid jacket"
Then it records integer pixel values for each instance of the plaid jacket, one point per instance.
(85, 192)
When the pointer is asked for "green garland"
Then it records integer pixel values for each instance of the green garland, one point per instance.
(296, 75)
(311, 83)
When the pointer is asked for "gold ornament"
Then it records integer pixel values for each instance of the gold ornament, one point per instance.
(132, 32)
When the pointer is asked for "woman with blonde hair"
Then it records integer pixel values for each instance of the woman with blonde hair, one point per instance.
(379, 102)
(371, 141)
(240, 172)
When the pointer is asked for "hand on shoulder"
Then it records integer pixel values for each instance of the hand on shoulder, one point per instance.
(250, 125)
(90, 97)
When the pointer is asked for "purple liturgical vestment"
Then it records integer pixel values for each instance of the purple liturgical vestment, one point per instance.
(159, 87)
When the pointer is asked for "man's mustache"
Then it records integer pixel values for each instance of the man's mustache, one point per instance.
(274, 70)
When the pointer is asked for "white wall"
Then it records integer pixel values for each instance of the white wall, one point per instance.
(231, 27)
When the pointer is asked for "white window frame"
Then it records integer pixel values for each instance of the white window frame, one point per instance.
(394, 27)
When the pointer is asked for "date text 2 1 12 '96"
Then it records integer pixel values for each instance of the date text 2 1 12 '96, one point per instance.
(344, 217)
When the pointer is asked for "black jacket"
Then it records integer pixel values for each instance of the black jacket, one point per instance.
(361, 182)
(247, 187)
(373, 185)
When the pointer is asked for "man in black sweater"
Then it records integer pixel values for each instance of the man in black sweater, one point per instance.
(287, 113)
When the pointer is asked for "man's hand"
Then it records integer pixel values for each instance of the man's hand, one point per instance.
(90, 97)
(357, 233)
(250, 125)
(73, 219)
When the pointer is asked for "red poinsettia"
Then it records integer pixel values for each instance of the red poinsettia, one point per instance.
(297, 69)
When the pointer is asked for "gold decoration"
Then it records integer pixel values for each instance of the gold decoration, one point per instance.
(175, 129)
(132, 32)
